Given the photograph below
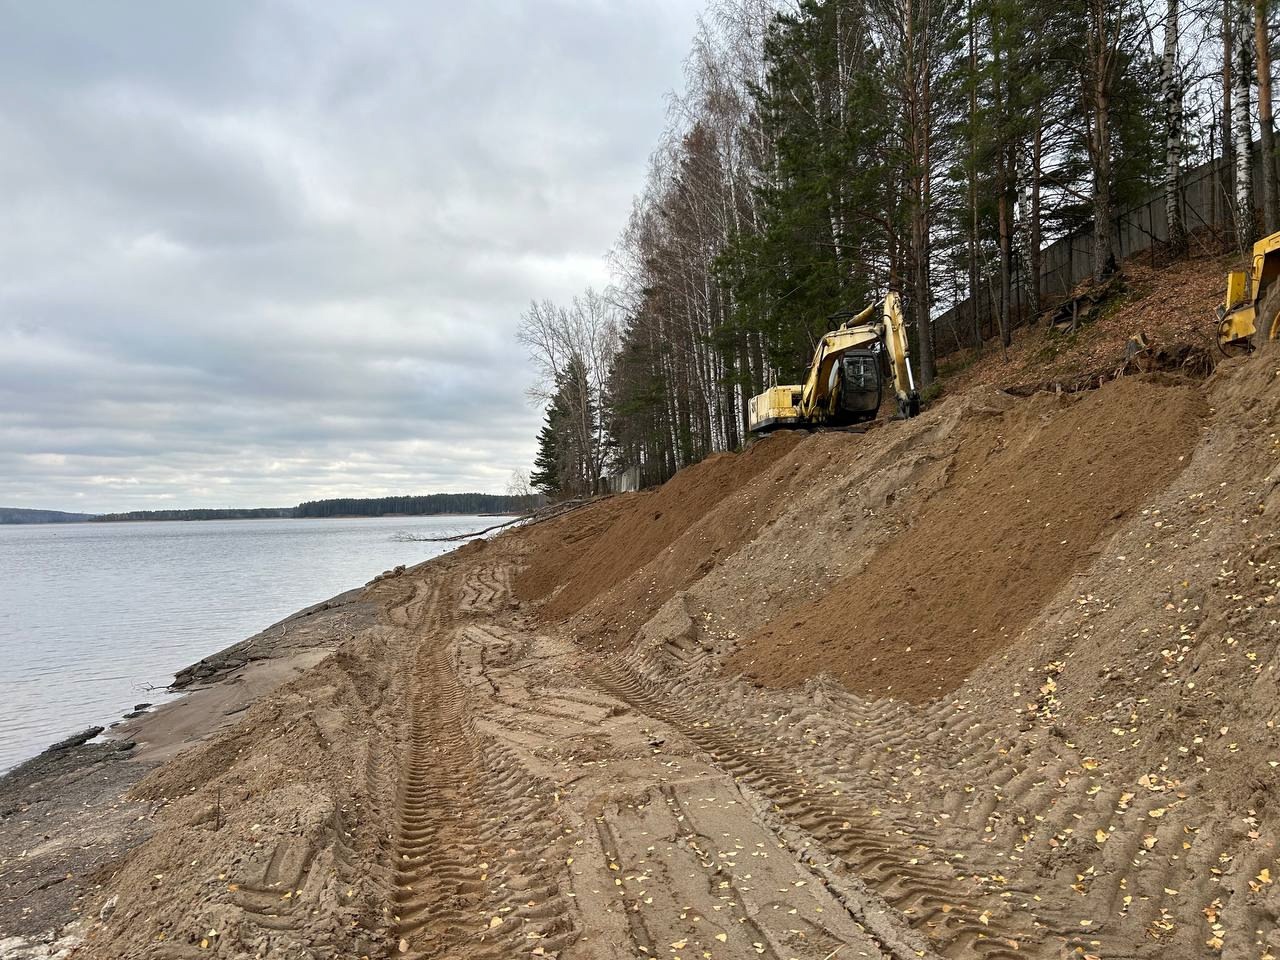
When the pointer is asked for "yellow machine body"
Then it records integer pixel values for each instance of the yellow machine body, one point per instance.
(776, 407)
(1251, 307)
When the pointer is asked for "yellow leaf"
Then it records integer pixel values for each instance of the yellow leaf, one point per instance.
(985, 918)
(722, 937)
(1089, 763)
(679, 944)
(1100, 836)
(495, 922)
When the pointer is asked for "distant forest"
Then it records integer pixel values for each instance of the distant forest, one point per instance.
(416, 506)
(434, 503)
(248, 513)
(22, 515)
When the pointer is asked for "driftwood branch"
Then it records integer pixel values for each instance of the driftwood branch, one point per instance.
(549, 512)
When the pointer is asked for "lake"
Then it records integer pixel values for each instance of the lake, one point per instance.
(92, 614)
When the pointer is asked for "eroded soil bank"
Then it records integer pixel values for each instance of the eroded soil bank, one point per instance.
(995, 682)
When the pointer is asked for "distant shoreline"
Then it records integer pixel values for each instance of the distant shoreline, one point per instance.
(336, 516)
(418, 505)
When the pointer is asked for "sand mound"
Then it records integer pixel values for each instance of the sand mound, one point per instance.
(1029, 495)
(582, 559)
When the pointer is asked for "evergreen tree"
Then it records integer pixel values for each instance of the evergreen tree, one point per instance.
(822, 243)
(568, 462)
(546, 474)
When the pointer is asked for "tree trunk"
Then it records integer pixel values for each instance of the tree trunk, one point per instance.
(1037, 161)
(1104, 252)
(1242, 122)
(1270, 187)
(973, 185)
(1172, 90)
(1006, 253)
(923, 293)
(1228, 165)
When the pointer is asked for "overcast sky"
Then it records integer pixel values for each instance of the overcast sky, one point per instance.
(261, 252)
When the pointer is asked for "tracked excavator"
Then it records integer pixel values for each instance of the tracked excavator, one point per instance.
(848, 375)
(1251, 310)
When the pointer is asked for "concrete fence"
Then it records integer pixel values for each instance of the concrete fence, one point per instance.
(1206, 201)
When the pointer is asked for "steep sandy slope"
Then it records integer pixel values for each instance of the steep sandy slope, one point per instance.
(1028, 494)
(1109, 740)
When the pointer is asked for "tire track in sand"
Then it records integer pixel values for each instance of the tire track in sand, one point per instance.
(470, 876)
(960, 921)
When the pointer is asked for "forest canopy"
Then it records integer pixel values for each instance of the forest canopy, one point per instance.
(825, 152)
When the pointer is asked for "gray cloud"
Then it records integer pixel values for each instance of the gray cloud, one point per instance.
(270, 251)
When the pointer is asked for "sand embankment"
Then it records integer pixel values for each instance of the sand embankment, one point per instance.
(995, 682)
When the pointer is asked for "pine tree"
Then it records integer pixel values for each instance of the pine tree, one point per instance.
(546, 474)
(822, 243)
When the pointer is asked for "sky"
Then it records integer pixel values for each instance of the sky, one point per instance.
(255, 253)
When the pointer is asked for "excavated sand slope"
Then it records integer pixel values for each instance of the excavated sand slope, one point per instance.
(997, 682)
(1029, 494)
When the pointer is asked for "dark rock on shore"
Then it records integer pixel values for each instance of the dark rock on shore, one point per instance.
(75, 740)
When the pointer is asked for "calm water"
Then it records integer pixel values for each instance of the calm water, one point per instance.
(91, 614)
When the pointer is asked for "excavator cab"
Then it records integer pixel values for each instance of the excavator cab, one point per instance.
(861, 386)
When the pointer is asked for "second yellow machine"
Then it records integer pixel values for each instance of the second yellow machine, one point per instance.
(847, 376)
(1251, 311)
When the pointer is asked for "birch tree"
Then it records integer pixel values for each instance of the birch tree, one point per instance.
(1242, 121)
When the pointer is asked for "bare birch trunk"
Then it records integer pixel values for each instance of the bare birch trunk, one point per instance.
(1242, 122)
(1104, 251)
(975, 318)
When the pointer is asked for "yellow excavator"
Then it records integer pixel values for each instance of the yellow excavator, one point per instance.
(1251, 309)
(847, 376)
